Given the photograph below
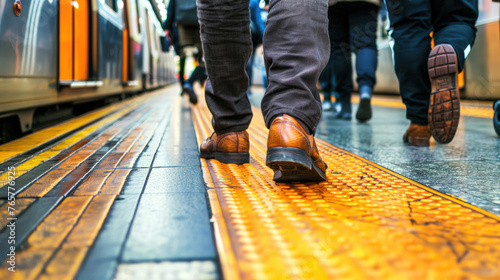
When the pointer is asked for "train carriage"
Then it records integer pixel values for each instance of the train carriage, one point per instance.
(56, 54)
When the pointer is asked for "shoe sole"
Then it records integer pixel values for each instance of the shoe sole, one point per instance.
(444, 108)
(192, 96)
(293, 164)
(364, 112)
(235, 158)
(496, 118)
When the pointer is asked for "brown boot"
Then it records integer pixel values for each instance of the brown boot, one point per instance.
(444, 108)
(292, 153)
(417, 135)
(231, 147)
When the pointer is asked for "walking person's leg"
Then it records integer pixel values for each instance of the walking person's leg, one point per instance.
(411, 28)
(339, 27)
(454, 34)
(225, 36)
(363, 22)
(296, 49)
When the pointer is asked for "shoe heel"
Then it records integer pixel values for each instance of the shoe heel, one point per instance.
(496, 117)
(278, 156)
(292, 164)
(235, 158)
(419, 141)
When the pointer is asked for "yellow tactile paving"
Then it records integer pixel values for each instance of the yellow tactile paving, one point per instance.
(365, 222)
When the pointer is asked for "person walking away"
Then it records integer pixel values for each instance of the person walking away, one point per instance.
(353, 28)
(428, 78)
(183, 28)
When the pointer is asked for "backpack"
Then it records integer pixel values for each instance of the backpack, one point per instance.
(186, 13)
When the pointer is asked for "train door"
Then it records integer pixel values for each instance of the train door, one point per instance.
(74, 42)
(90, 42)
(108, 43)
(132, 45)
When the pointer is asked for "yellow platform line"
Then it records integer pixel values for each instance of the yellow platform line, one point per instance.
(364, 222)
(31, 141)
(20, 205)
(58, 246)
(53, 177)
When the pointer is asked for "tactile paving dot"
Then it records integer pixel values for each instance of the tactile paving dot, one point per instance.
(364, 222)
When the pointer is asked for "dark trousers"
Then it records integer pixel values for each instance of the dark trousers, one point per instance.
(327, 80)
(353, 28)
(249, 67)
(412, 21)
(296, 49)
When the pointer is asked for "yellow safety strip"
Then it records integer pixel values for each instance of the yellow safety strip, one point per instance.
(19, 206)
(364, 222)
(58, 246)
(33, 140)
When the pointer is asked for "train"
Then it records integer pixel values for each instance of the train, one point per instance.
(60, 55)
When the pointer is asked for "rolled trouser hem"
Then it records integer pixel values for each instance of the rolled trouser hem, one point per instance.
(232, 129)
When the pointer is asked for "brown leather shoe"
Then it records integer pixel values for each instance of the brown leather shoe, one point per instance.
(231, 147)
(417, 135)
(444, 108)
(292, 153)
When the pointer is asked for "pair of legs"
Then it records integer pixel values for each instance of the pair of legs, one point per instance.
(353, 28)
(296, 48)
(327, 83)
(190, 36)
(452, 23)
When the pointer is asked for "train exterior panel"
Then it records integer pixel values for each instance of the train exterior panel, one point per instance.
(71, 52)
(28, 54)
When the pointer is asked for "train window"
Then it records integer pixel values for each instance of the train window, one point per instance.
(111, 4)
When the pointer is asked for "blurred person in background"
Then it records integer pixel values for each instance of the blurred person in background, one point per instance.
(183, 29)
(257, 27)
(353, 27)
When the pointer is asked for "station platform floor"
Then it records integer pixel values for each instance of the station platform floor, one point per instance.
(121, 193)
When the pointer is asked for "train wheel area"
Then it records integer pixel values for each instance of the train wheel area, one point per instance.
(121, 193)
